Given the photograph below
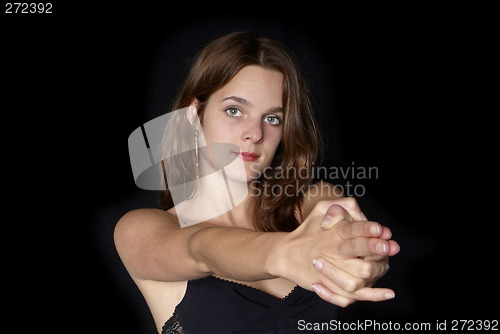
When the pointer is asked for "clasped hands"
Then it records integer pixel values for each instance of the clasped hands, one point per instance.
(344, 253)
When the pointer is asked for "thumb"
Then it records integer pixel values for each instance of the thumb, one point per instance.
(333, 216)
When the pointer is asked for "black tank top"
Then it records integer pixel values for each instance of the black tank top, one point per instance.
(213, 305)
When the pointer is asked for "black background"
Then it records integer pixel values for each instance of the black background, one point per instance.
(401, 89)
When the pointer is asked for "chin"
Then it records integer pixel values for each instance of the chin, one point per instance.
(237, 171)
(252, 176)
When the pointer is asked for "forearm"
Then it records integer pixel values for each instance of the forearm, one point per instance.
(236, 253)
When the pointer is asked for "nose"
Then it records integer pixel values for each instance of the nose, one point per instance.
(253, 131)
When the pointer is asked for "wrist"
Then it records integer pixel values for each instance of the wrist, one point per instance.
(275, 262)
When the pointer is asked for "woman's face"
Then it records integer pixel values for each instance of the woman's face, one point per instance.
(248, 112)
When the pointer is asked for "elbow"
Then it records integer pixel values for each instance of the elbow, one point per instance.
(136, 241)
(126, 241)
(198, 250)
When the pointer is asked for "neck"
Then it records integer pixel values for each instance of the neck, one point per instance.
(218, 200)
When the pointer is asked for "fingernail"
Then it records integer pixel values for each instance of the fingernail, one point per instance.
(381, 248)
(363, 216)
(326, 222)
(316, 289)
(389, 295)
(375, 229)
(317, 264)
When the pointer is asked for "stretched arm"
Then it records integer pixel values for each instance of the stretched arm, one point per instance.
(154, 247)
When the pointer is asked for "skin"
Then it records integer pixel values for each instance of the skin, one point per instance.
(245, 114)
(336, 252)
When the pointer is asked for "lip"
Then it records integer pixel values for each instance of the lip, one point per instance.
(247, 156)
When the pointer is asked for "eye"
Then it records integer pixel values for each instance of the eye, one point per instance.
(273, 120)
(233, 112)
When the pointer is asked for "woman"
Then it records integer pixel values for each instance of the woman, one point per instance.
(273, 259)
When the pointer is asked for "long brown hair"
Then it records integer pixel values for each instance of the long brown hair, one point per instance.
(214, 67)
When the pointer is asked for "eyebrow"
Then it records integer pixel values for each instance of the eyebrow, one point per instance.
(238, 99)
(244, 102)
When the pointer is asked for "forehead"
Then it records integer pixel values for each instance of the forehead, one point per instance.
(258, 85)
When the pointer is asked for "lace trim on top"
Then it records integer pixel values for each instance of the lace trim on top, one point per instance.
(255, 289)
(172, 326)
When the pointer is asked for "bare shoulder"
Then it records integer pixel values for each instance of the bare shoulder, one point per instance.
(137, 222)
(319, 191)
(137, 230)
(146, 216)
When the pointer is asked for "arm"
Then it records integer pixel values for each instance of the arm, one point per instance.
(153, 246)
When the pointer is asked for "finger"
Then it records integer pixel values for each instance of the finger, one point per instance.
(330, 296)
(333, 216)
(386, 233)
(351, 205)
(361, 268)
(361, 247)
(360, 229)
(332, 293)
(340, 278)
(347, 203)
(394, 248)
(373, 294)
(375, 258)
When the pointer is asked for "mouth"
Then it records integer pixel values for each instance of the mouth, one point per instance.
(247, 156)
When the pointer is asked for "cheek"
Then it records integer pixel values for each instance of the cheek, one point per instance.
(216, 127)
(211, 131)
(274, 139)
(218, 134)
(209, 124)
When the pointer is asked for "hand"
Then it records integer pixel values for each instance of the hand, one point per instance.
(358, 262)
(338, 244)
(354, 213)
